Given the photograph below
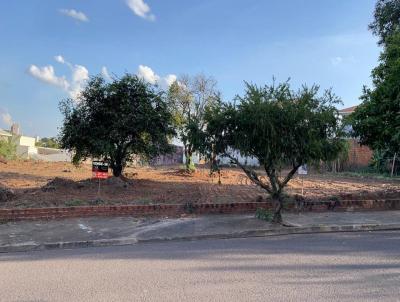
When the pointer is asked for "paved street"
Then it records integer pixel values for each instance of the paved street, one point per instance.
(324, 267)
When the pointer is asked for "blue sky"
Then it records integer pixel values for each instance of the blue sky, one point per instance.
(50, 47)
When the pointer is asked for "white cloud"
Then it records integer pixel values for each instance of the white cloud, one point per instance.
(6, 118)
(46, 74)
(59, 59)
(147, 74)
(80, 16)
(141, 9)
(336, 61)
(79, 76)
(105, 73)
(150, 76)
(75, 83)
(167, 81)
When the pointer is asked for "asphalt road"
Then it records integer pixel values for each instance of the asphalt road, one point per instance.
(325, 267)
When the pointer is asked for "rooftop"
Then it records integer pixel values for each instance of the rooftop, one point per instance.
(5, 133)
(348, 110)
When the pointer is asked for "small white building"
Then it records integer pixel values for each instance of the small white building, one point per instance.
(225, 161)
(25, 144)
(244, 160)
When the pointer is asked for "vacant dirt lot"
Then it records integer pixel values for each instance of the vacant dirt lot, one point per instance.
(41, 184)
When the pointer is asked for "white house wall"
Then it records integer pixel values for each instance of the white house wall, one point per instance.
(26, 141)
(244, 160)
(26, 151)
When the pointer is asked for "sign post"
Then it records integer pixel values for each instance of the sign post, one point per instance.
(99, 171)
(303, 170)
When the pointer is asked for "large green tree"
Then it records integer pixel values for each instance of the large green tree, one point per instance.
(376, 121)
(283, 129)
(386, 19)
(189, 98)
(114, 121)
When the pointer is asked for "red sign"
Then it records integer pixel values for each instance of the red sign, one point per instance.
(100, 169)
(102, 175)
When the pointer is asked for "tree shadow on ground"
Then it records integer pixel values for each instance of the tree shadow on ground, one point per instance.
(22, 176)
(361, 262)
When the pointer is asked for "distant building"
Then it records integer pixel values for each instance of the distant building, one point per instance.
(173, 158)
(243, 160)
(25, 144)
(5, 135)
(347, 111)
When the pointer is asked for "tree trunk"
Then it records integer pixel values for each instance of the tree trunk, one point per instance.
(278, 210)
(117, 168)
(189, 160)
(393, 164)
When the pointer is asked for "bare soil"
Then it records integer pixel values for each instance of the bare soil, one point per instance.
(44, 184)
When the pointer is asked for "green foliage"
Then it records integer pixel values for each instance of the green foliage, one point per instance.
(343, 155)
(337, 164)
(73, 203)
(279, 127)
(381, 162)
(48, 142)
(386, 19)
(376, 122)
(189, 208)
(189, 98)
(190, 167)
(96, 202)
(369, 173)
(264, 214)
(8, 148)
(144, 201)
(115, 121)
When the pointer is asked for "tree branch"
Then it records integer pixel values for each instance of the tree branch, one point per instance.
(272, 178)
(250, 174)
(289, 176)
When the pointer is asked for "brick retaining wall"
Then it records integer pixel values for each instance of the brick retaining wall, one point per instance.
(172, 210)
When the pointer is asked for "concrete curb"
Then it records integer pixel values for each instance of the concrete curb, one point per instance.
(281, 232)
(245, 234)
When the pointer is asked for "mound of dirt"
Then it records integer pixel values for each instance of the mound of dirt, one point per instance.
(116, 182)
(111, 183)
(6, 194)
(60, 183)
